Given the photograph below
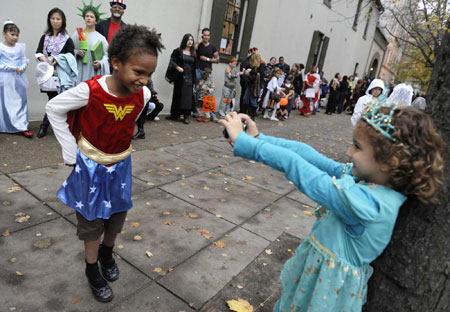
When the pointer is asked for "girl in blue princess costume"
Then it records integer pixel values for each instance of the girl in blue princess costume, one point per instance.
(94, 123)
(396, 153)
(13, 83)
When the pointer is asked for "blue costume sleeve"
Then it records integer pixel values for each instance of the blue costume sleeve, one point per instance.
(333, 168)
(337, 195)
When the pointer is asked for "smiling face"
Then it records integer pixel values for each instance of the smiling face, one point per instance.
(89, 19)
(362, 155)
(117, 10)
(272, 61)
(11, 37)
(133, 74)
(56, 21)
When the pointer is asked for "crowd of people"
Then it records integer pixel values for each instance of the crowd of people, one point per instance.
(104, 88)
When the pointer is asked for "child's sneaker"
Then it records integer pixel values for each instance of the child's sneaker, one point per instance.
(205, 120)
(274, 118)
(199, 119)
(214, 119)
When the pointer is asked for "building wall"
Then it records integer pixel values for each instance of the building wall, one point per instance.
(283, 27)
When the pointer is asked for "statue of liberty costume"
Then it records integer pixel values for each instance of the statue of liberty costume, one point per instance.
(13, 97)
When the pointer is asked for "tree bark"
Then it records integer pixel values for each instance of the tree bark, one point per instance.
(413, 273)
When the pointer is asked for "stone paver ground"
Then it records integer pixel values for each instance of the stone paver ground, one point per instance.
(198, 233)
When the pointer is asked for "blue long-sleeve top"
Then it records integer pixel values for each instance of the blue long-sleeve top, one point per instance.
(359, 217)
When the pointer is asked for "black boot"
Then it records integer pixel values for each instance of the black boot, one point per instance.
(110, 271)
(139, 135)
(186, 119)
(100, 288)
(43, 128)
(42, 131)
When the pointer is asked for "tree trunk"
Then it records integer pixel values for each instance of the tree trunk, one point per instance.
(413, 273)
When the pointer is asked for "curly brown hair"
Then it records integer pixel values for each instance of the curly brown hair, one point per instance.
(416, 164)
(134, 39)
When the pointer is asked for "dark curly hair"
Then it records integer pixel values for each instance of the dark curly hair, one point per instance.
(134, 39)
(416, 164)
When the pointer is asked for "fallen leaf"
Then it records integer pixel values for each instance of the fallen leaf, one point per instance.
(287, 228)
(149, 170)
(137, 238)
(191, 196)
(240, 286)
(268, 251)
(19, 273)
(169, 269)
(77, 299)
(224, 255)
(150, 183)
(220, 244)
(206, 188)
(134, 224)
(182, 184)
(177, 168)
(12, 260)
(166, 213)
(294, 216)
(14, 189)
(268, 217)
(51, 171)
(193, 215)
(159, 271)
(6, 233)
(248, 178)
(223, 200)
(22, 219)
(148, 254)
(120, 246)
(240, 305)
(206, 236)
(6, 203)
(167, 223)
(43, 243)
(308, 213)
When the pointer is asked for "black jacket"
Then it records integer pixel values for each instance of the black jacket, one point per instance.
(103, 27)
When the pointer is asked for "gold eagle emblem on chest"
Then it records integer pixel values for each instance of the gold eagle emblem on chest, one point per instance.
(119, 112)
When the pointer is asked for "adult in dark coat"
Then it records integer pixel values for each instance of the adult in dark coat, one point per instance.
(243, 108)
(343, 91)
(111, 25)
(181, 72)
(333, 94)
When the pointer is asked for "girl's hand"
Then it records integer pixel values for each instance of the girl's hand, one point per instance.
(42, 59)
(18, 71)
(96, 65)
(81, 53)
(180, 69)
(251, 125)
(233, 123)
(53, 62)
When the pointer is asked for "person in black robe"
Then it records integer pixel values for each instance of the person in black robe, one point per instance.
(181, 72)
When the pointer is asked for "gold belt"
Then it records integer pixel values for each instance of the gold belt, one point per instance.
(98, 156)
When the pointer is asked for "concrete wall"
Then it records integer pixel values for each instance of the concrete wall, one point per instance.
(283, 27)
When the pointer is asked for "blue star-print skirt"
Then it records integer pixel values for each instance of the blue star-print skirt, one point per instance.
(97, 191)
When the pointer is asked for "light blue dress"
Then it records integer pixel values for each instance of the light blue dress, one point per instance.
(13, 96)
(355, 220)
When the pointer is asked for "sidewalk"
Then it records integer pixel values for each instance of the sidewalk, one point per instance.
(206, 226)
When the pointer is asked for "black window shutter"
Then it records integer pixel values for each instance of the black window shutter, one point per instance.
(323, 53)
(248, 28)
(312, 48)
(216, 25)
